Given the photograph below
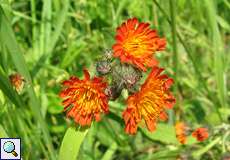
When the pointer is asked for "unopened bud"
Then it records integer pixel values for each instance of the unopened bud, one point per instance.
(114, 91)
(132, 78)
(128, 74)
(103, 67)
(17, 81)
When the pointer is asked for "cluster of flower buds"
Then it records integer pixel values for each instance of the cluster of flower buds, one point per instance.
(123, 76)
(183, 131)
(121, 68)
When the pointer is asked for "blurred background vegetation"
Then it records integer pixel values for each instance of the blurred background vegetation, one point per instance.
(46, 41)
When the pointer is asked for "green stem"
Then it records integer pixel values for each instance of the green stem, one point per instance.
(109, 153)
(201, 151)
(175, 55)
(34, 27)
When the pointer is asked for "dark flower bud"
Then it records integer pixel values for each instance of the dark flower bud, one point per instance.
(127, 74)
(103, 67)
(132, 78)
(114, 91)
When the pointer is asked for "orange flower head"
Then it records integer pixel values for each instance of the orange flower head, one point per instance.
(84, 100)
(136, 43)
(200, 134)
(17, 81)
(150, 102)
(181, 132)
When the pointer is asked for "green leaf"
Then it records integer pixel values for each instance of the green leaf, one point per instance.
(223, 23)
(163, 133)
(71, 144)
(166, 134)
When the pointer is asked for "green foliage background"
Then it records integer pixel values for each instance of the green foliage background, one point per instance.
(46, 41)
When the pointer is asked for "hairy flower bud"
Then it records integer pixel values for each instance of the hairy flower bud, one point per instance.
(114, 91)
(103, 67)
(127, 74)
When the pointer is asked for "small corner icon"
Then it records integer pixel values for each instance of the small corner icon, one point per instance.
(10, 148)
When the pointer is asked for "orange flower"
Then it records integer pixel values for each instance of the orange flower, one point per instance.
(136, 43)
(181, 132)
(150, 102)
(200, 134)
(17, 81)
(84, 99)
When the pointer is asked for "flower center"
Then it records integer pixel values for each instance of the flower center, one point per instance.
(88, 100)
(151, 103)
(135, 45)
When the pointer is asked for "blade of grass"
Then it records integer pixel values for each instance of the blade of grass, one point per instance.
(22, 126)
(3, 133)
(8, 40)
(109, 153)
(205, 149)
(218, 52)
(175, 56)
(16, 13)
(187, 49)
(61, 17)
(194, 63)
(227, 3)
(165, 154)
(3, 60)
(72, 53)
(34, 27)
(45, 27)
(71, 144)
(121, 6)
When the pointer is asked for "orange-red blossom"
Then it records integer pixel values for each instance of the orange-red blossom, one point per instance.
(136, 43)
(150, 102)
(84, 100)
